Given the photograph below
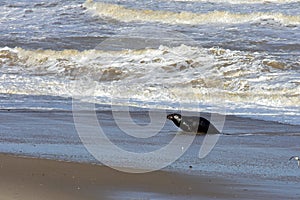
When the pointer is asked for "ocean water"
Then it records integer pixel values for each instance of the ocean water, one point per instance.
(232, 57)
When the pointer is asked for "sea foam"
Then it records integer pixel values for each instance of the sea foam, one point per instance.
(124, 14)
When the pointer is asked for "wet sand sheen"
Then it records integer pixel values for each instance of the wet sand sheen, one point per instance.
(253, 165)
(30, 179)
(27, 178)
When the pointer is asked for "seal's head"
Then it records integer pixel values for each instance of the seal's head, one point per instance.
(176, 118)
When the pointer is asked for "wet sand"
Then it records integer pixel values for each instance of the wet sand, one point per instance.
(245, 165)
(28, 178)
(33, 179)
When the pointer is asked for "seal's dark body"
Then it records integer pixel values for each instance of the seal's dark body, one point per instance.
(198, 125)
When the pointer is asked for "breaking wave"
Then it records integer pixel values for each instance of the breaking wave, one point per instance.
(124, 14)
(243, 1)
(164, 74)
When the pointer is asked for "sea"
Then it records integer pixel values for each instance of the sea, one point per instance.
(224, 56)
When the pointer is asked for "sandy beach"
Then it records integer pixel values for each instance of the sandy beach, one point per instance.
(27, 178)
(45, 159)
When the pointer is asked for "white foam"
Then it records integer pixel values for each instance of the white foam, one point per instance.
(124, 14)
(241, 1)
(166, 77)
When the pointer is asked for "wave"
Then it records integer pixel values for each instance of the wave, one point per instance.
(165, 74)
(242, 1)
(124, 14)
(217, 80)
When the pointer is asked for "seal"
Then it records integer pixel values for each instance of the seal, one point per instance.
(197, 125)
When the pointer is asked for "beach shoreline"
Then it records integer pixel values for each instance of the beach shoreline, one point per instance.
(86, 87)
(32, 178)
(57, 165)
